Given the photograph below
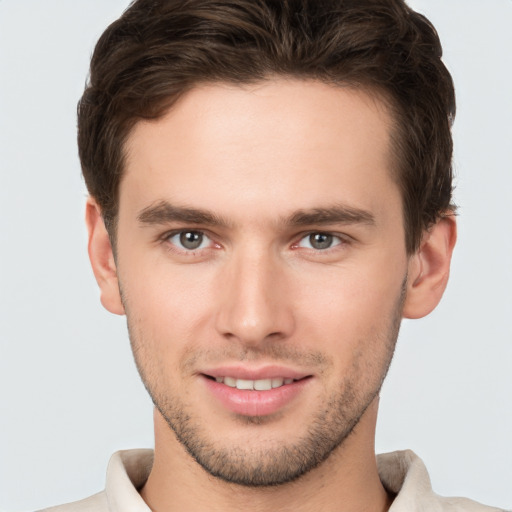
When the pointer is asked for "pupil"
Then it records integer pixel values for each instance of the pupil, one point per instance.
(320, 240)
(191, 239)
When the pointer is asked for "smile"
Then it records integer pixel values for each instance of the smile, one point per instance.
(257, 385)
(262, 395)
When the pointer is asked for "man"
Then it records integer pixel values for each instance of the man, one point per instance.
(270, 193)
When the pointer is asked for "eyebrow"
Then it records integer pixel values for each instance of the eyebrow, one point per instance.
(339, 214)
(164, 212)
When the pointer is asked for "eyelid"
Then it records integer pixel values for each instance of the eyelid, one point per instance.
(172, 232)
(343, 238)
(167, 235)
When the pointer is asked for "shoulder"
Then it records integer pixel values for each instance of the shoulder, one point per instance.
(404, 474)
(126, 473)
(464, 505)
(95, 503)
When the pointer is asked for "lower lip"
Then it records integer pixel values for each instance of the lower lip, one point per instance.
(252, 402)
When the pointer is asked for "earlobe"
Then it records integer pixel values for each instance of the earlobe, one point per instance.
(102, 259)
(429, 269)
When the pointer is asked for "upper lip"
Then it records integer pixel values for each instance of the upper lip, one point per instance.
(264, 372)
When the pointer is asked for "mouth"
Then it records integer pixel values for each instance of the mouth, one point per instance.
(255, 384)
(250, 392)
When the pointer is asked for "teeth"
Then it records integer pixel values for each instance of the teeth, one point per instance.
(277, 383)
(229, 381)
(244, 384)
(258, 385)
(263, 384)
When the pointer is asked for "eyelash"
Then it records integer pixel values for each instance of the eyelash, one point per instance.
(166, 238)
(342, 240)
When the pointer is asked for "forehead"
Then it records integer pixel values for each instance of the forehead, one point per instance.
(277, 146)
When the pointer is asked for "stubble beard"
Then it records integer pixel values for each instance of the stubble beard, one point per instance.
(277, 464)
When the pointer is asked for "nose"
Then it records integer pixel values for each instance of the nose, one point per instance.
(255, 304)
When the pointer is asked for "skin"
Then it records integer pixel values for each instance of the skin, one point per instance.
(260, 160)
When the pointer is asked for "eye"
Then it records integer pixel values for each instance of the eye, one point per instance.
(189, 240)
(319, 241)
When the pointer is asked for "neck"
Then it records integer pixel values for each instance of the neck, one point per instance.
(347, 480)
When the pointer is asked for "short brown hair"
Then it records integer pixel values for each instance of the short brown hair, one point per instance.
(160, 49)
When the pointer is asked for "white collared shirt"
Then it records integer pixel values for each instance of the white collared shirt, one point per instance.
(402, 473)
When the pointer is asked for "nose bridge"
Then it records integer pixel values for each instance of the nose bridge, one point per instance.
(254, 306)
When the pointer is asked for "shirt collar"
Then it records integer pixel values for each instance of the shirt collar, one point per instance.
(402, 473)
(127, 472)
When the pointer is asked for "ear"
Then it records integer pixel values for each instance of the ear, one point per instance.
(101, 256)
(429, 268)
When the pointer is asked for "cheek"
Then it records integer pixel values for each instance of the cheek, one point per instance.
(163, 322)
(350, 308)
(358, 329)
(349, 292)
(169, 302)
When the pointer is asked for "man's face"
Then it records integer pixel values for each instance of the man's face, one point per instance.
(261, 244)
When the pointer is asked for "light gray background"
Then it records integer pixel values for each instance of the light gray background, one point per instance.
(69, 393)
